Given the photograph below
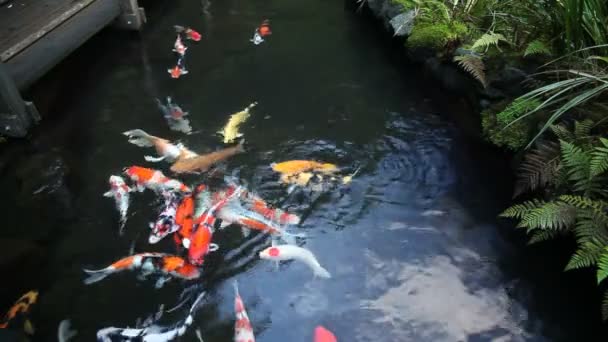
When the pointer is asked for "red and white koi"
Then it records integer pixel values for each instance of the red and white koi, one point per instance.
(165, 224)
(119, 190)
(262, 31)
(179, 47)
(178, 70)
(188, 32)
(175, 116)
(243, 331)
(291, 252)
(154, 180)
(147, 263)
(152, 333)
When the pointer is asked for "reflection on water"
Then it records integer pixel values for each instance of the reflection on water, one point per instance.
(411, 243)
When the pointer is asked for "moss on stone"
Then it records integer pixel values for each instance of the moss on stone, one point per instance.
(516, 135)
(435, 36)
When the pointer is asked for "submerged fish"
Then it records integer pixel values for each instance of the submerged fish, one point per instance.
(154, 180)
(260, 32)
(231, 130)
(289, 252)
(64, 334)
(164, 148)
(147, 263)
(22, 306)
(298, 166)
(179, 47)
(324, 335)
(179, 69)
(152, 333)
(165, 224)
(243, 331)
(175, 116)
(119, 190)
(202, 163)
(188, 32)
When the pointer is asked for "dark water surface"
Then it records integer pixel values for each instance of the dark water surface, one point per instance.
(413, 243)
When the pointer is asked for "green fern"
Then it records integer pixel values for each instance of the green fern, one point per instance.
(543, 235)
(474, 66)
(582, 129)
(578, 166)
(605, 306)
(537, 47)
(539, 168)
(551, 215)
(599, 161)
(518, 211)
(587, 255)
(489, 39)
(562, 133)
(602, 266)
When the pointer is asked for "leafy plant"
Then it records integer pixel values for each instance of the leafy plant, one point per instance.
(487, 40)
(537, 47)
(474, 66)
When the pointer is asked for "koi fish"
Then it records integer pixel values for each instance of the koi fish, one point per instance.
(179, 47)
(147, 263)
(298, 166)
(255, 203)
(289, 252)
(188, 32)
(120, 191)
(201, 240)
(202, 163)
(152, 333)
(175, 116)
(231, 131)
(154, 180)
(178, 70)
(243, 331)
(64, 334)
(164, 148)
(185, 220)
(324, 335)
(165, 224)
(21, 306)
(262, 31)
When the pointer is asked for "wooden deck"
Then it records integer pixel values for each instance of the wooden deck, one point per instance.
(23, 22)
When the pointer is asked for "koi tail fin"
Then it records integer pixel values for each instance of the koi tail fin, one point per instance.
(179, 29)
(251, 106)
(96, 275)
(139, 138)
(64, 333)
(154, 159)
(235, 284)
(321, 272)
(108, 194)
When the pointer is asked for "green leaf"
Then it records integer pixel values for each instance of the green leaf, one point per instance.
(602, 266)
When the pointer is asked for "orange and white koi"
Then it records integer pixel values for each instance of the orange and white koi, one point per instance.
(188, 32)
(119, 190)
(147, 263)
(21, 307)
(178, 70)
(164, 148)
(257, 204)
(154, 180)
(291, 252)
(243, 331)
(179, 47)
(324, 335)
(165, 224)
(297, 166)
(262, 31)
(185, 220)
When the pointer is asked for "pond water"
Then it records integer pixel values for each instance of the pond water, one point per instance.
(413, 244)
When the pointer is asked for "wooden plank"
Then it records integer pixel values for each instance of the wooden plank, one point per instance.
(29, 20)
(33, 62)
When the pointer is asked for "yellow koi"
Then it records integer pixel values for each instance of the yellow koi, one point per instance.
(231, 130)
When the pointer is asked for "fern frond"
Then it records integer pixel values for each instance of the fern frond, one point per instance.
(518, 211)
(587, 255)
(543, 235)
(539, 168)
(599, 161)
(489, 39)
(474, 66)
(602, 266)
(551, 215)
(578, 163)
(537, 47)
(582, 129)
(562, 133)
